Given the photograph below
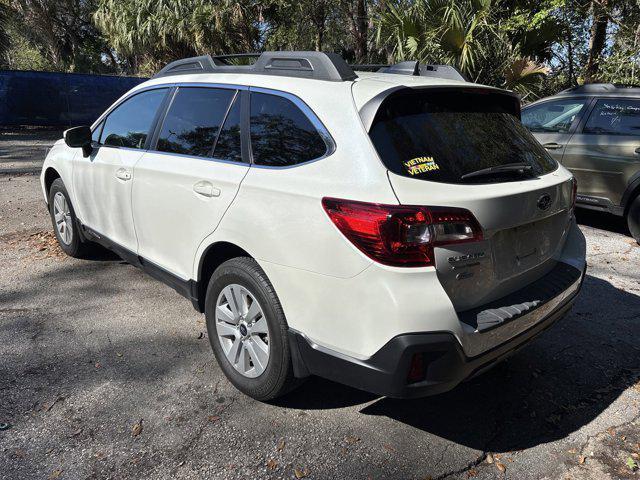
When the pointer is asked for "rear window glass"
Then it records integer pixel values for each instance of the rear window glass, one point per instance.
(281, 134)
(444, 135)
(614, 117)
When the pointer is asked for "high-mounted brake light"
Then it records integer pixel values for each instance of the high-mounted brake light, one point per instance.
(398, 235)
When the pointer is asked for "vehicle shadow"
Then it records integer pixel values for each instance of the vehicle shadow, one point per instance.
(102, 254)
(562, 381)
(602, 221)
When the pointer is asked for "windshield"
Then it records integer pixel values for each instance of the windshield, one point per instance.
(443, 135)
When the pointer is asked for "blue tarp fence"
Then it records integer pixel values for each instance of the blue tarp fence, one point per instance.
(58, 99)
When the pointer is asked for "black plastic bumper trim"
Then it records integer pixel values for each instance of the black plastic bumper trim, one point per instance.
(385, 373)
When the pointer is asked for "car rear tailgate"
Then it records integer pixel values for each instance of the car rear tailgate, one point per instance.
(520, 241)
(466, 148)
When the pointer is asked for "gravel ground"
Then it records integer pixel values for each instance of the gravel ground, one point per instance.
(106, 373)
(23, 150)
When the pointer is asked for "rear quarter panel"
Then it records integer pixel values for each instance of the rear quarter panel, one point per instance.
(603, 164)
(277, 215)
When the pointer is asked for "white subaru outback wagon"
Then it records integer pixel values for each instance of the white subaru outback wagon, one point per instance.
(397, 231)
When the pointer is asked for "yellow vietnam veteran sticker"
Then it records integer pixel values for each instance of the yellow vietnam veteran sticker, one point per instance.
(419, 165)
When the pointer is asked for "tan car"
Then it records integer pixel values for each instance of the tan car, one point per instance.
(594, 131)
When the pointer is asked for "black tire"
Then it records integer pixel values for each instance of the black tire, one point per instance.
(277, 378)
(77, 247)
(633, 218)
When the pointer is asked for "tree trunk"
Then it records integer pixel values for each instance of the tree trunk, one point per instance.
(360, 30)
(568, 19)
(319, 18)
(570, 58)
(598, 38)
(319, 38)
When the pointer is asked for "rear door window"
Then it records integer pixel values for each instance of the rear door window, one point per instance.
(193, 121)
(281, 134)
(128, 125)
(614, 117)
(555, 116)
(444, 135)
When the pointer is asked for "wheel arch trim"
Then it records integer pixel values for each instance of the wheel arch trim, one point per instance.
(50, 174)
(213, 255)
(633, 188)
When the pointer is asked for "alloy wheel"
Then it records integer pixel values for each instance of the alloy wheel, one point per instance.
(62, 216)
(242, 330)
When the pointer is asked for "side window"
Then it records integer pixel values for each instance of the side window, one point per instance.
(555, 116)
(281, 134)
(129, 124)
(228, 146)
(193, 120)
(614, 117)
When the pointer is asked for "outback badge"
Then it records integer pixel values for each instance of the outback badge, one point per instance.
(464, 258)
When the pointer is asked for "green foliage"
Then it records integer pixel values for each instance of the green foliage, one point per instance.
(622, 65)
(535, 47)
(307, 25)
(148, 33)
(4, 24)
(56, 35)
(21, 55)
(468, 34)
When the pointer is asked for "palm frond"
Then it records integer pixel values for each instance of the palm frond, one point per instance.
(523, 75)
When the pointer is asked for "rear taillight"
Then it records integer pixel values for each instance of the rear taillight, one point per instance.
(398, 235)
(574, 193)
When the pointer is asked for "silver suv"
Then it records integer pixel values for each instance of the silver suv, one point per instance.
(594, 131)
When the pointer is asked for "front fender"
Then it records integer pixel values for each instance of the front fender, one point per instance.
(59, 159)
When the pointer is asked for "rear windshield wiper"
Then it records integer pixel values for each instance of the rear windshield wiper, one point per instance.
(506, 168)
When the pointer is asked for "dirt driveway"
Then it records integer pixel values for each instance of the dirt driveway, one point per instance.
(106, 373)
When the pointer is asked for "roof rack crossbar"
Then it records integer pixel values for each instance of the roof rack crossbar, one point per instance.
(315, 65)
(414, 68)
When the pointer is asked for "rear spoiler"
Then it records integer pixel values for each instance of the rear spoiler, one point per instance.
(414, 68)
(370, 109)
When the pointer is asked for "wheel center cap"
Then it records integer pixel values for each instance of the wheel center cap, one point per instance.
(243, 330)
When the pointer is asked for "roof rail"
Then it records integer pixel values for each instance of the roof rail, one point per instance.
(368, 67)
(315, 65)
(598, 88)
(414, 68)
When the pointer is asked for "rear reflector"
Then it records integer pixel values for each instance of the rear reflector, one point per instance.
(398, 235)
(416, 369)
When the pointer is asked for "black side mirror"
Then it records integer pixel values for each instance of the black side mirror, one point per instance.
(79, 137)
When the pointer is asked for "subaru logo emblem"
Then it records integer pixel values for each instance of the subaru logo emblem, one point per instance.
(544, 202)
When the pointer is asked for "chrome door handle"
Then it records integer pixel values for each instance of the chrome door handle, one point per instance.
(637, 150)
(206, 189)
(552, 146)
(123, 174)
